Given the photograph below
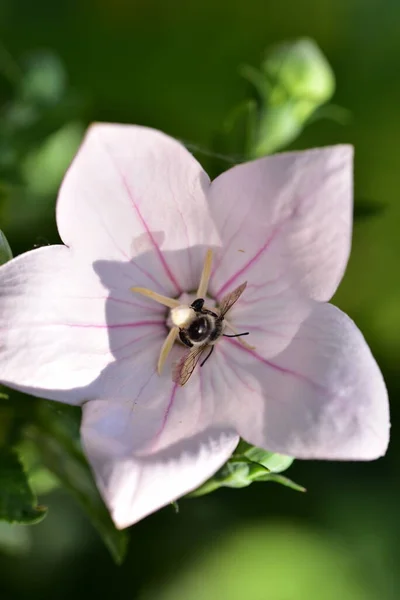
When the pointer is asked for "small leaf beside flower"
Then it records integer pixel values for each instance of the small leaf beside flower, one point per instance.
(17, 501)
(247, 465)
(5, 250)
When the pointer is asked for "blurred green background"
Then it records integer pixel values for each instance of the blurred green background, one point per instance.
(175, 65)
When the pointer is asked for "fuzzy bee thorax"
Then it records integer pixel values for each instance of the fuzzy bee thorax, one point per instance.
(182, 316)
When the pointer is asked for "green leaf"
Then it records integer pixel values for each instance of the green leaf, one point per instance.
(274, 462)
(5, 250)
(332, 112)
(44, 166)
(56, 435)
(16, 411)
(247, 465)
(45, 79)
(257, 79)
(17, 501)
(283, 481)
(6, 419)
(235, 474)
(41, 479)
(15, 540)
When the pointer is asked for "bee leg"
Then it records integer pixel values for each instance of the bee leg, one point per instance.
(207, 357)
(236, 334)
(240, 340)
(184, 338)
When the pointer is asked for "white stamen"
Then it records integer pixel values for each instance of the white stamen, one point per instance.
(205, 276)
(164, 300)
(166, 348)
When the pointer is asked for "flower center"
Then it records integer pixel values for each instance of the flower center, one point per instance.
(195, 321)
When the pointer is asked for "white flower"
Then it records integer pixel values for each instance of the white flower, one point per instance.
(137, 210)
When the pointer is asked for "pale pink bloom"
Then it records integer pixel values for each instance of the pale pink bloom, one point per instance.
(136, 209)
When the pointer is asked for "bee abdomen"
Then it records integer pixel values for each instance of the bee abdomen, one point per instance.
(216, 331)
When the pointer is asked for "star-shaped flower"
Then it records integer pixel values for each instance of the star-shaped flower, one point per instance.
(136, 210)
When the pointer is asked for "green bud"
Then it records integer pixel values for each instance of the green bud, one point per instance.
(5, 250)
(294, 81)
(299, 70)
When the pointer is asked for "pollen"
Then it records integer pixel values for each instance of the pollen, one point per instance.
(182, 316)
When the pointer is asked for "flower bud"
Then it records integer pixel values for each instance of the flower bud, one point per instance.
(294, 81)
(299, 70)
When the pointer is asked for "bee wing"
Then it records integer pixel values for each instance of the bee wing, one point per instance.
(183, 369)
(229, 300)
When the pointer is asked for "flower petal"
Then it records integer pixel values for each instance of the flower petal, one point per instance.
(135, 194)
(143, 457)
(271, 310)
(324, 397)
(304, 200)
(61, 327)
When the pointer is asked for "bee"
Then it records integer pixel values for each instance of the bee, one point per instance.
(202, 332)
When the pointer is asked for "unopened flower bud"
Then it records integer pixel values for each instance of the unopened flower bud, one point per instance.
(294, 81)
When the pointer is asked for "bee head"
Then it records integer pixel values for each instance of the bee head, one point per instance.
(198, 304)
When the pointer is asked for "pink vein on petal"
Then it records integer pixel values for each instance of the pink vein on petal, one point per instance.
(115, 325)
(117, 300)
(232, 237)
(130, 343)
(130, 260)
(272, 332)
(146, 227)
(153, 241)
(249, 263)
(228, 364)
(135, 304)
(180, 213)
(85, 325)
(166, 414)
(279, 368)
(201, 400)
(147, 274)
